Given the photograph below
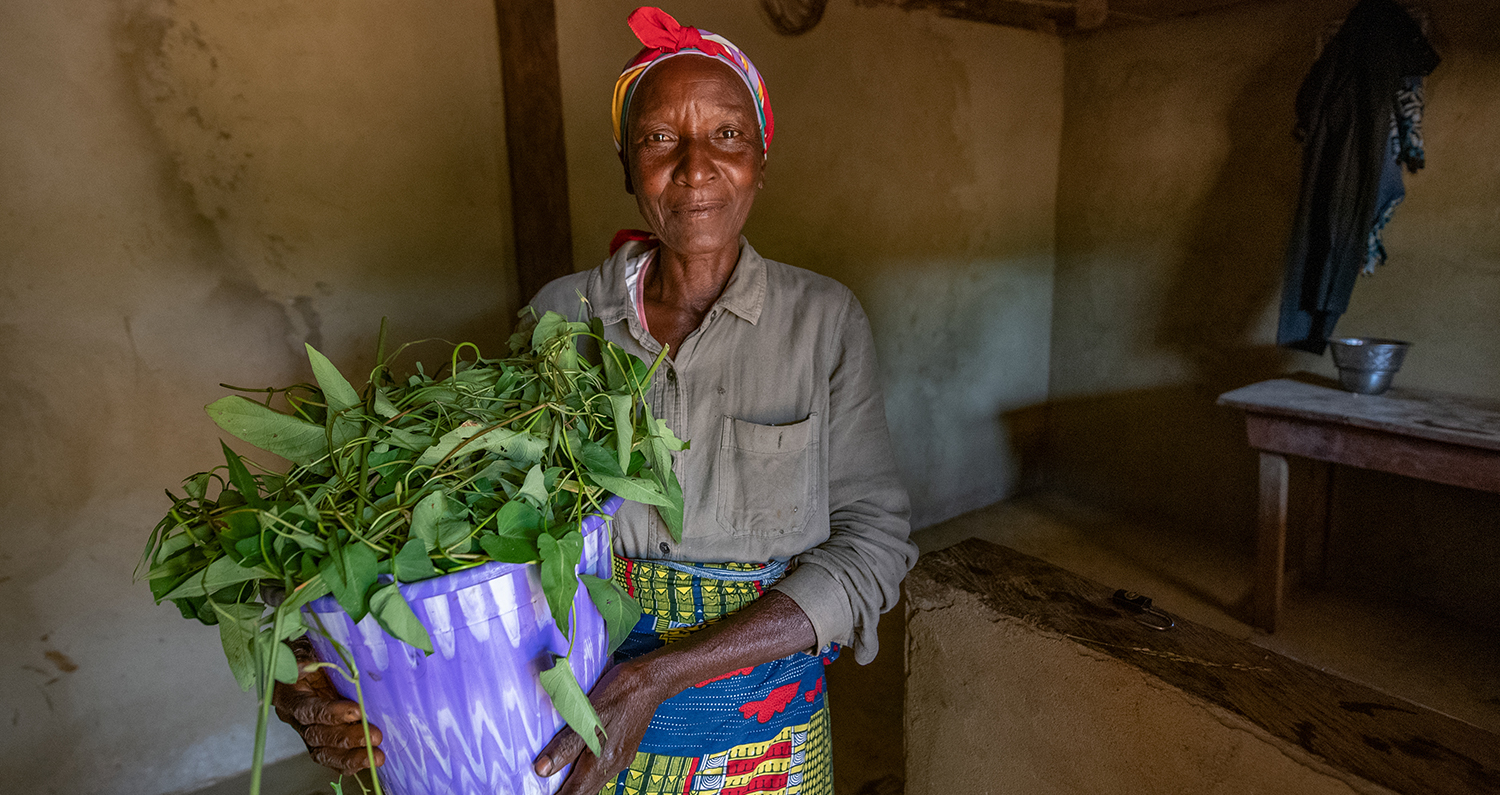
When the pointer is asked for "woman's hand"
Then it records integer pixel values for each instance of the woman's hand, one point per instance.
(329, 723)
(625, 698)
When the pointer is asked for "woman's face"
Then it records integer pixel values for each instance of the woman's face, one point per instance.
(694, 157)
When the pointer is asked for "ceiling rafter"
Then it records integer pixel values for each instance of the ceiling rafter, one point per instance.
(794, 17)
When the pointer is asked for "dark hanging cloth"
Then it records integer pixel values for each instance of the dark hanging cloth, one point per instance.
(1345, 112)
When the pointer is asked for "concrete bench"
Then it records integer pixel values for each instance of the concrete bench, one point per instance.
(1025, 678)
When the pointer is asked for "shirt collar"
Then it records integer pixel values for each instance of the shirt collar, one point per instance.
(745, 295)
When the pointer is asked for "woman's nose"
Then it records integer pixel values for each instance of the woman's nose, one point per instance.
(695, 164)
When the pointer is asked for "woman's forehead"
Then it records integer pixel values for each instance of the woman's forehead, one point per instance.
(684, 76)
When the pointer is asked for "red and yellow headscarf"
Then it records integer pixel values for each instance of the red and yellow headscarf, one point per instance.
(665, 38)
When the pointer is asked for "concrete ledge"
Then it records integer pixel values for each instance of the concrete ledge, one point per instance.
(1023, 677)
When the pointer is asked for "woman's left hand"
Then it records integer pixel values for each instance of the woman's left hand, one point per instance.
(625, 700)
(627, 696)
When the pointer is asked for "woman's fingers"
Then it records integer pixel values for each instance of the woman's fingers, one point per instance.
(586, 778)
(314, 708)
(564, 748)
(347, 762)
(342, 736)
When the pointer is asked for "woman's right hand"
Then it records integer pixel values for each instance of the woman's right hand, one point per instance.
(329, 723)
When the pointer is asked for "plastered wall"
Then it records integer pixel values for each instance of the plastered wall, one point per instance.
(1179, 177)
(189, 191)
(915, 161)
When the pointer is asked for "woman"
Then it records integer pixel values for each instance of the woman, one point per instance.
(771, 374)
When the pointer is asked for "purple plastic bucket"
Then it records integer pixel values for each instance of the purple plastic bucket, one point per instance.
(470, 718)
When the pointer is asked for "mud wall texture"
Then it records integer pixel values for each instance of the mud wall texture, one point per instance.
(189, 191)
(915, 160)
(1178, 180)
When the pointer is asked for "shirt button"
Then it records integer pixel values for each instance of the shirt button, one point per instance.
(665, 549)
(672, 376)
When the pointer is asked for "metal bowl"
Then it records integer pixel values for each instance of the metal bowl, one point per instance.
(1367, 364)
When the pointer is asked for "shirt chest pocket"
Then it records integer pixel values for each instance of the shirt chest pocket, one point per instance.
(765, 476)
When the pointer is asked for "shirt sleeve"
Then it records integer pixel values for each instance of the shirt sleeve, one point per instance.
(846, 582)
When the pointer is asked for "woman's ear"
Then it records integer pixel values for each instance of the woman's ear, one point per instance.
(629, 186)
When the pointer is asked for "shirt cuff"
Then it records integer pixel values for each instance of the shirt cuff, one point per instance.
(823, 599)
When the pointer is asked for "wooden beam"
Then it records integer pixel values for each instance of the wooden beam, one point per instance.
(1090, 14)
(532, 84)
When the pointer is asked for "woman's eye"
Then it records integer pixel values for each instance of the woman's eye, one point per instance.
(732, 133)
(656, 138)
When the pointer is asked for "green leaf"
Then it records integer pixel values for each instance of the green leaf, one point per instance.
(243, 481)
(621, 612)
(596, 459)
(350, 570)
(383, 405)
(518, 519)
(534, 488)
(514, 445)
(222, 573)
(315, 588)
(559, 567)
(517, 446)
(550, 325)
(623, 408)
(408, 440)
(569, 700)
(412, 563)
(453, 532)
(282, 662)
(508, 549)
(292, 438)
(643, 490)
(395, 616)
(197, 485)
(167, 576)
(614, 368)
(336, 390)
(671, 513)
(425, 517)
(238, 624)
(662, 432)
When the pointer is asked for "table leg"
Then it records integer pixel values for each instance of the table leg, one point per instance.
(1314, 550)
(1270, 558)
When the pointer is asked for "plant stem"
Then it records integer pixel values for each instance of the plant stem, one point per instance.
(364, 722)
(268, 684)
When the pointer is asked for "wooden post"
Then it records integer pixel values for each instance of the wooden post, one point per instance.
(1270, 557)
(532, 85)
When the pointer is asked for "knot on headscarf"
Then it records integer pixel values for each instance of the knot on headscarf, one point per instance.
(664, 37)
(658, 30)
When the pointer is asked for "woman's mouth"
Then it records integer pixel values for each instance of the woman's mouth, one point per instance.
(698, 209)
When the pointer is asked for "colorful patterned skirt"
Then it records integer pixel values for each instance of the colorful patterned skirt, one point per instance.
(755, 730)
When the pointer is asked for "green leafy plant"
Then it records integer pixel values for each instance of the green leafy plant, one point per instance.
(404, 480)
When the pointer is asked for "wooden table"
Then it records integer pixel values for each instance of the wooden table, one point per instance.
(1427, 435)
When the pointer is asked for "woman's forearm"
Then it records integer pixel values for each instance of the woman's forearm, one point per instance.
(769, 628)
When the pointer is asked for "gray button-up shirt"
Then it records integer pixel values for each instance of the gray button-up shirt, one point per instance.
(789, 455)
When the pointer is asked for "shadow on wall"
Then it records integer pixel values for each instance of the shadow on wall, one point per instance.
(1196, 265)
(1233, 257)
(1164, 457)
